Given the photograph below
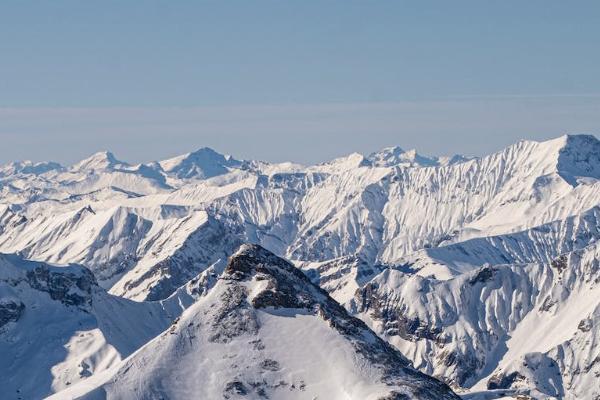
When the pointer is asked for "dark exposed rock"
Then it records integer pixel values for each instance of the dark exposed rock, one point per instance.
(397, 324)
(234, 317)
(466, 364)
(414, 329)
(585, 325)
(395, 396)
(257, 344)
(276, 298)
(73, 289)
(287, 287)
(504, 381)
(10, 311)
(269, 365)
(559, 263)
(85, 370)
(483, 275)
(548, 303)
(234, 388)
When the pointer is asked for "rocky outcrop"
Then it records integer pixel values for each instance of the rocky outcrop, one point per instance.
(285, 286)
(10, 310)
(245, 337)
(72, 289)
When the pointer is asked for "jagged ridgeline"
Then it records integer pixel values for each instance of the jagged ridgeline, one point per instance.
(252, 332)
(482, 272)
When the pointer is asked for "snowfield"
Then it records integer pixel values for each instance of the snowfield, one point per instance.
(482, 272)
(264, 331)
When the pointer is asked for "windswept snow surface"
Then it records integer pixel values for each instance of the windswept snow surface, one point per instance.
(532, 328)
(58, 327)
(160, 232)
(264, 331)
(146, 229)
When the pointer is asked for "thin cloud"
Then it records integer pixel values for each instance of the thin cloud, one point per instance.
(305, 133)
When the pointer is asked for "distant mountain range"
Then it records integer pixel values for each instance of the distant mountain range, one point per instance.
(482, 272)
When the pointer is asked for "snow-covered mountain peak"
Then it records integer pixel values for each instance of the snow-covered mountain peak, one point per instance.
(28, 168)
(253, 334)
(386, 156)
(396, 156)
(393, 156)
(102, 160)
(579, 158)
(575, 158)
(201, 164)
(274, 281)
(343, 164)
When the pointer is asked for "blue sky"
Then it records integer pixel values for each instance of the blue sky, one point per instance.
(445, 77)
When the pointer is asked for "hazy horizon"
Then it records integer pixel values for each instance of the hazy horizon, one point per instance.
(303, 82)
(305, 134)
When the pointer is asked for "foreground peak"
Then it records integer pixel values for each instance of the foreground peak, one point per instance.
(252, 250)
(287, 286)
(297, 343)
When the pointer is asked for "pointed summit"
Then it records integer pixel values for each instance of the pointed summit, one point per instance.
(396, 156)
(202, 164)
(100, 161)
(264, 331)
(387, 156)
(574, 158)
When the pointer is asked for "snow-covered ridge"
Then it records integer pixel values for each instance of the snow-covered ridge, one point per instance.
(58, 327)
(538, 244)
(253, 334)
(163, 231)
(109, 215)
(396, 156)
(476, 330)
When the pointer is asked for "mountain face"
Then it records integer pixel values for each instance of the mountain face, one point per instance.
(395, 237)
(527, 328)
(203, 163)
(126, 222)
(58, 327)
(104, 160)
(253, 334)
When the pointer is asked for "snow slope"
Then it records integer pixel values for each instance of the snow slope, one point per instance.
(264, 331)
(539, 244)
(126, 222)
(532, 328)
(58, 327)
(161, 232)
